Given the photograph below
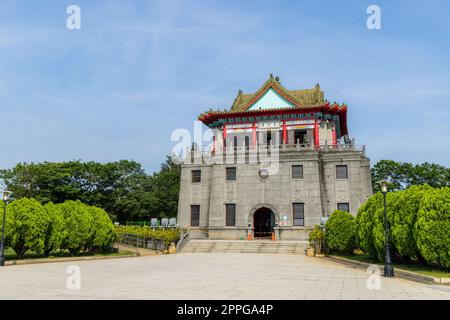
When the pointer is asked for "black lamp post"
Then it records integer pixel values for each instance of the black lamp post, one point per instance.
(2, 243)
(388, 268)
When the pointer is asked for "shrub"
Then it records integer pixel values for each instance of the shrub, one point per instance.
(316, 237)
(340, 231)
(169, 235)
(79, 226)
(56, 229)
(156, 234)
(104, 233)
(432, 228)
(405, 210)
(26, 226)
(364, 223)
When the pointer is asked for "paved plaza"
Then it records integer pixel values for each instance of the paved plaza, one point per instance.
(208, 276)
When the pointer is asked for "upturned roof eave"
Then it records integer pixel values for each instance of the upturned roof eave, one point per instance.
(212, 116)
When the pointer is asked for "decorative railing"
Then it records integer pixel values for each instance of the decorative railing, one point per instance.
(133, 240)
(196, 155)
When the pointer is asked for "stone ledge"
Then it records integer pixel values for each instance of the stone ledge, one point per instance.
(65, 259)
(400, 273)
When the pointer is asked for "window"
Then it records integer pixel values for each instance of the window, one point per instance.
(343, 206)
(195, 215)
(247, 141)
(297, 172)
(196, 176)
(341, 172)
(300, 136)
(230, 215)
(299, 214)
(269, 137)
(231, 174)
(235, 141)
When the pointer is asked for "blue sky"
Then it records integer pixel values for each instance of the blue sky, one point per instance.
(137, 70)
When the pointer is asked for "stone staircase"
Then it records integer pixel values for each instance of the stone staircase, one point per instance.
(245, 246)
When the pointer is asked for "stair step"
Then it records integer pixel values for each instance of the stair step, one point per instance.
(285, 247)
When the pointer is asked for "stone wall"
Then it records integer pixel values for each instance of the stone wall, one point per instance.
(319, 190)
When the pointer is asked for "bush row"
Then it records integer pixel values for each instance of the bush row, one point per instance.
(71, 226)
(419, 220)
(419, 226)
(168, 236)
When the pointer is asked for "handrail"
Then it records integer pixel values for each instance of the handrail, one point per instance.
(199, 154)
(141, 242)
(184, 239)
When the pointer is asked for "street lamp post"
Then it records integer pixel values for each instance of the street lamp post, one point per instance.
(388, 268)
(2, 243)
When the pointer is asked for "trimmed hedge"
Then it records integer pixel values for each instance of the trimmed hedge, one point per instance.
(56, 229)
(71, 225)
(364, 224)
(104, 233)
(79, 224)
(406, 210)
(166, 235)
(26, 226)
(419, 225)
(340, 231)
(432, 229)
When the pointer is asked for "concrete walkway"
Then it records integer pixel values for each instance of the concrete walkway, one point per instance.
(208, 276)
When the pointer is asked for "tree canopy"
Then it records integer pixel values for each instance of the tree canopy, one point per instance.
(26, 226)
(404, 174)
(121, 188)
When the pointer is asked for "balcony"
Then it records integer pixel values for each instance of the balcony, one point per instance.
(246, 152)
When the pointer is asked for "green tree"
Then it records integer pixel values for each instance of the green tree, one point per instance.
(432, 228)
(434, 175)
(26, 226)
(340, 231)
(399, 174)
(404, 174)
(121, 188)
(118, 187)
(56, 228)
(42, 181)
(364, 223)
(104, 233)
(405, 210)
(79, 224)
(164, 193)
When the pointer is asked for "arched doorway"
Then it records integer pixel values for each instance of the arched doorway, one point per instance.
(263, 223)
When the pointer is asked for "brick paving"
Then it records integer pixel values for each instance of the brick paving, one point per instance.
(208, 276)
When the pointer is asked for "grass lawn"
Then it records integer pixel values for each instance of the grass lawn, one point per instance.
(11, 255)
(421, 269)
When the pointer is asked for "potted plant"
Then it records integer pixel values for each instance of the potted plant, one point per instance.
(316, 238)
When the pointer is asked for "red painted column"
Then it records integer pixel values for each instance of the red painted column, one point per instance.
(284, 133)
(254, 134)
(316, 133)
(224, 134)
(334, 135)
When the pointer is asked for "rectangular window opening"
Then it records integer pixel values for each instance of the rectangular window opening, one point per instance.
(195, 215)
(298, 214)
(230, 215)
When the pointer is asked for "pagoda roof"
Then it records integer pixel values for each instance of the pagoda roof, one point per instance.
(295, 102)
(298, 98)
